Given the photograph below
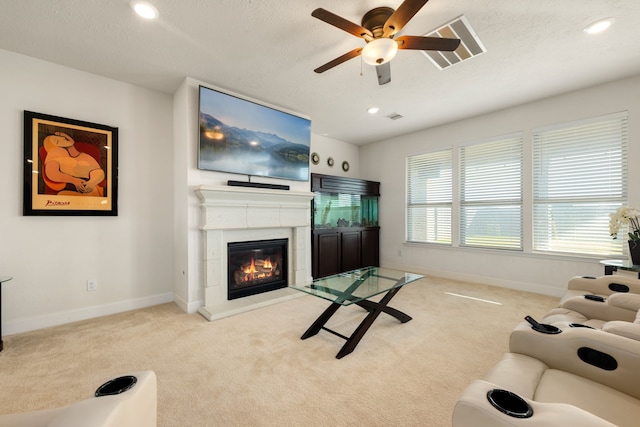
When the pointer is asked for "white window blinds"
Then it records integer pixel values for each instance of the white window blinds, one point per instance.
(579, 177)
(429, 196)
(491, 194)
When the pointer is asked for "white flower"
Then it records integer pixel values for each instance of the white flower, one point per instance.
(624, 216)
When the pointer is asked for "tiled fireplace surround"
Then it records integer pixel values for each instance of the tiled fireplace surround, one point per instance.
(238, 214)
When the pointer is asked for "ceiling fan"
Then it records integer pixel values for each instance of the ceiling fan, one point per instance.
(378, 28)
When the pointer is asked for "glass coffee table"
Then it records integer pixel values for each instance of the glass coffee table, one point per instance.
(356, 287)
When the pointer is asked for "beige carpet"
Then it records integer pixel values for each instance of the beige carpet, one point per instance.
(253, 370)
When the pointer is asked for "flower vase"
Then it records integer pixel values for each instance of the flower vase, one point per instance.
(634, 251)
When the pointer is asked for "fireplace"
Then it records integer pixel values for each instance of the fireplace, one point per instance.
(256, 267)
(238, 214)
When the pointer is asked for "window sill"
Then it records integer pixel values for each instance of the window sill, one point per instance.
(509, 252)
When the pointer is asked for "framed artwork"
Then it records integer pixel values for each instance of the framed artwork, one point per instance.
(70, 167)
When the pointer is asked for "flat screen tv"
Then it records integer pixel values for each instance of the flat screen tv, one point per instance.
(243, 137)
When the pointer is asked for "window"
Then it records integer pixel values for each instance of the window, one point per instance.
(491, 194)
(579, 177)
(429, 196)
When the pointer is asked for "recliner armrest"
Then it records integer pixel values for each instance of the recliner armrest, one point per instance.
(561, 351)
(474, 410)
(626, 301)
(602, 310)
(136, 407)
(601, 285)
(624, 329)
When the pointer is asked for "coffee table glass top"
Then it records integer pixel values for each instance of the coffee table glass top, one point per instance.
(357, 285)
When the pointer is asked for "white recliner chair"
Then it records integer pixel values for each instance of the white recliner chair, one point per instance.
(126, 401)
(602, 286)
(594, 310)
(594, 301)
(557, 375)
(579, 366)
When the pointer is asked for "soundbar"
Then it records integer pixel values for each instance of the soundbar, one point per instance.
(257, 185)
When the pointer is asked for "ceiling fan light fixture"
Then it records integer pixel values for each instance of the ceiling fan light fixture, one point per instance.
(599, 26)
(379, 51)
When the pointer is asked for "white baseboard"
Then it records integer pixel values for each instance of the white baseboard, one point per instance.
(473, 278)
(188, 307)
(60, 318)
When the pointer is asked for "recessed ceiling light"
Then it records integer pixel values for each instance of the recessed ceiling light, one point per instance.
(373, 110)
(144, 9)
(599, 26)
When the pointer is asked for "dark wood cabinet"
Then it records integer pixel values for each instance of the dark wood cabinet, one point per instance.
(351, 250)
(326, 254)
(345, 234)
(369, 247)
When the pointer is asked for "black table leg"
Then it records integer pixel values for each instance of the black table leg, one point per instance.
(321, 321)
(374, 309)
(370, 305)
(362, 329)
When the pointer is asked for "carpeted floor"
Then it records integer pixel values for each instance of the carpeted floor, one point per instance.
(252, 369)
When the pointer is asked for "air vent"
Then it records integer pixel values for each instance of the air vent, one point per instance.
(395, 116)
(471, 45)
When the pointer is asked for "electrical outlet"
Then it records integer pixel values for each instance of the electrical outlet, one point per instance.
(92, 285)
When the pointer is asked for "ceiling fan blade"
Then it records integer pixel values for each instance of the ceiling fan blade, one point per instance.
(401, 16)
(384, 73)
(427, 43)
(339, 60)
(343, 24)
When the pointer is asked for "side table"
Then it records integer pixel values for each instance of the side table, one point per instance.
(2, 280)
(613, 265)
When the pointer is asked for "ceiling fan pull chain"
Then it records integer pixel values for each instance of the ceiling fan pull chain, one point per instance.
(361, 73)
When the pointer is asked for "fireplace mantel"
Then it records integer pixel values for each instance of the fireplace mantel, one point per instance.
(235, 214)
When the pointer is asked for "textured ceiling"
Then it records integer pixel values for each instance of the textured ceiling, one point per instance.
(267, 50)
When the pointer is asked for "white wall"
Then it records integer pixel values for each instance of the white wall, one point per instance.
(188, 244)
(385, 162)
(51, 258)
(340, 152)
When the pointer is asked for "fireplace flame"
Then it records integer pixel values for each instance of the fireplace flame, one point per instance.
(264, 269)
(267, 263)
(252, 268)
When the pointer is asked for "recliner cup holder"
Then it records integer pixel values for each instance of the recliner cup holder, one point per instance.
(546, 329)
(542, 327)
(509, 403)
(116, 386)
(596, 298)
(580, 325)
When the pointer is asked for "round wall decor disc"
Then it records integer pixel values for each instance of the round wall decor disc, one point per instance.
(315, 159)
